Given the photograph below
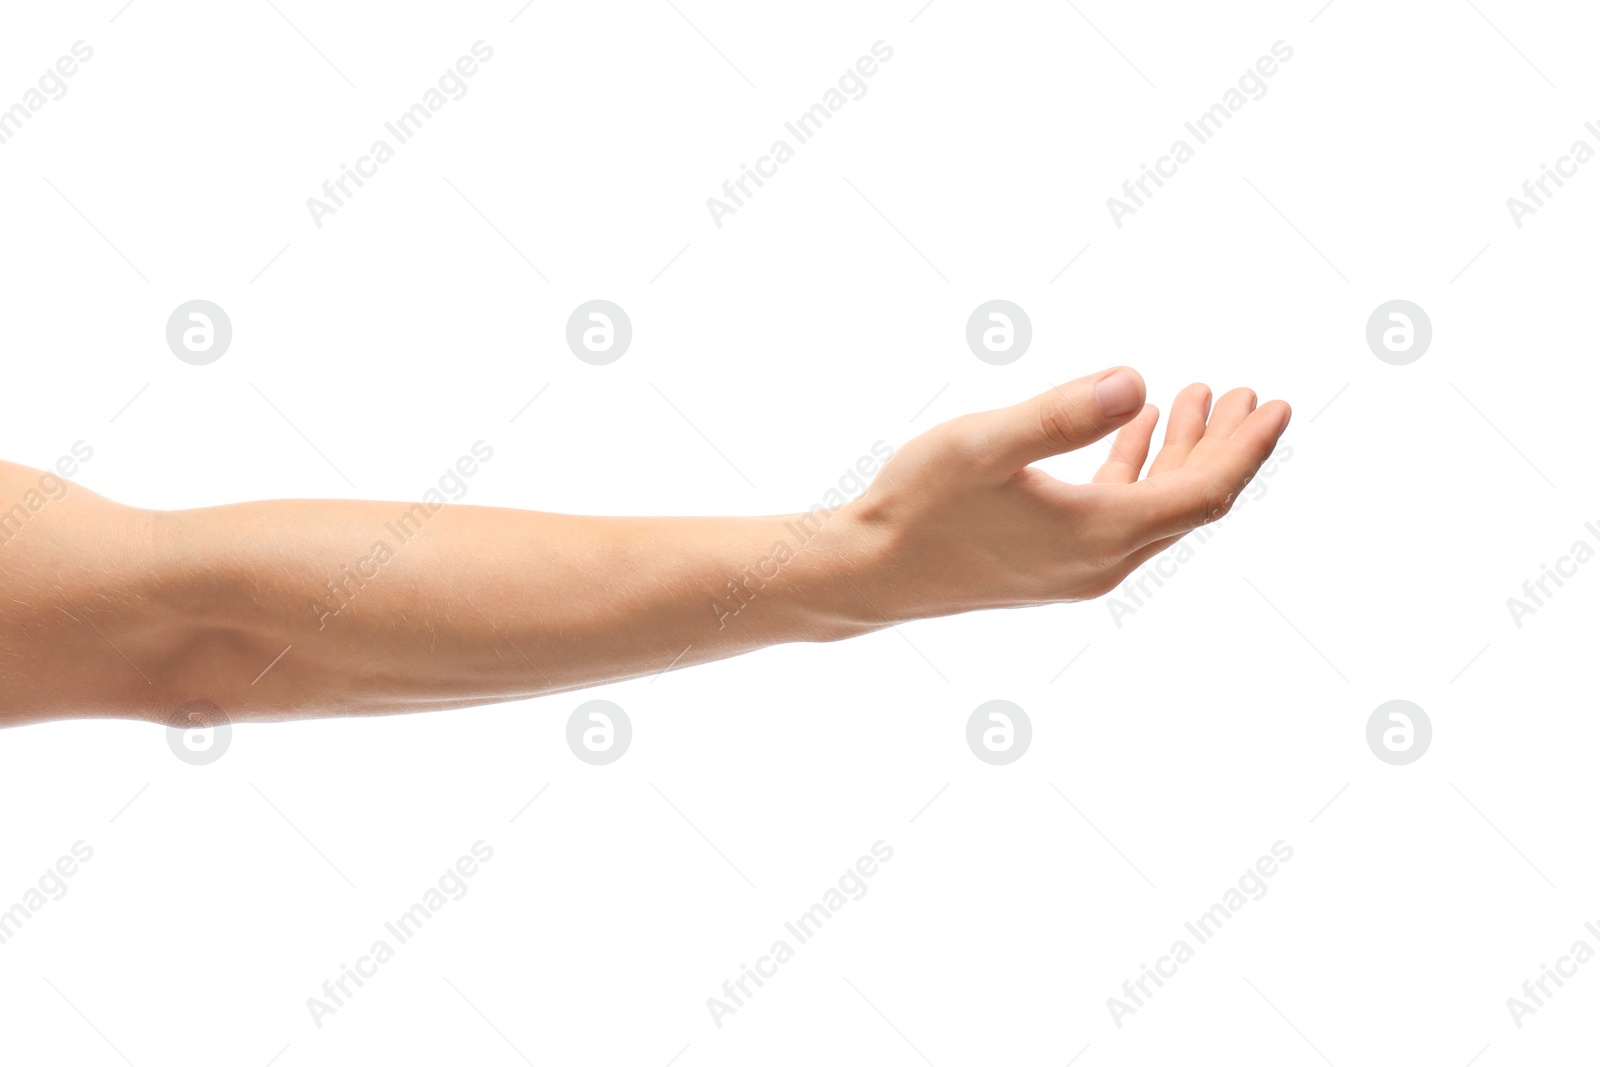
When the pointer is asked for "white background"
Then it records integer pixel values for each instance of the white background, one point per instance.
(1173, 752)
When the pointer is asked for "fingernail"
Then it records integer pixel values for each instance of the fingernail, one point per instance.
(1117, 394)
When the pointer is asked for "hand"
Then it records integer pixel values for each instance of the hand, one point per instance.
(957, 520)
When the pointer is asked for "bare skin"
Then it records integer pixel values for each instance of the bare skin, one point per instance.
(108, 610)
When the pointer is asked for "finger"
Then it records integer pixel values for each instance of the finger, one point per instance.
(1072, 415)
(1185, 425)
(1200, 493)
(1130, 448)
(1226, 417)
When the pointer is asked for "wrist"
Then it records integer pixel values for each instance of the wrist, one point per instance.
(842, 555)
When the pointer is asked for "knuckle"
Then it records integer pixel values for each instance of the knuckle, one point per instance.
(966, 438)
(1059, 424)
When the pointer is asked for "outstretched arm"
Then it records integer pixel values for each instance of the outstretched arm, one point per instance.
(291, 609)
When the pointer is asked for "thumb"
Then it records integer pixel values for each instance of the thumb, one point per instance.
(1072, 415)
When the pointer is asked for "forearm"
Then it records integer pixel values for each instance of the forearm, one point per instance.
(297, 608)
(286, 609)
(392, 607)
